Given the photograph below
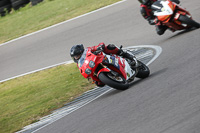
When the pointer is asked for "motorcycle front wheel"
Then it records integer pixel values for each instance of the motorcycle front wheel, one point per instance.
(188, 21)
(116, 81)
(143, 71)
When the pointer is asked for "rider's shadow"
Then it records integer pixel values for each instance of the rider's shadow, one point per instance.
(183, 32)
(137, 81)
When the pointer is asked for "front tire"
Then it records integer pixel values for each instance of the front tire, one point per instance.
(143, 71)
(117, 82)
(188, 21)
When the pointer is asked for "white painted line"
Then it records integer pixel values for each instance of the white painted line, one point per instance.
(73, 110)
(67, 62)
(157, 48)
(63, 22)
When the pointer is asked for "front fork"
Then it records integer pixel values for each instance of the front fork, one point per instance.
(136, 67)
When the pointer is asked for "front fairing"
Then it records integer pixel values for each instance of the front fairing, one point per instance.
(88, 63)
(163, 9)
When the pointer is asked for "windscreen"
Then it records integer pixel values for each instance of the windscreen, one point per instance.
(82, 59)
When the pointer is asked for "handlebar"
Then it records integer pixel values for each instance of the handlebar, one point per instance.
(98, 51)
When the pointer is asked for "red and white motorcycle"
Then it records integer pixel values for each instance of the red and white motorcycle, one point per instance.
(172, 15)
(112, 70)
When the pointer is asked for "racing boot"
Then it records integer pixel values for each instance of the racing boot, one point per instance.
(160, 29)
(126, 54)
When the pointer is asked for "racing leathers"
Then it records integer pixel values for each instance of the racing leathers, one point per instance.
(146, 12)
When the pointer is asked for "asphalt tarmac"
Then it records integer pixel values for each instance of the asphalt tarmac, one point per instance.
(166, 102)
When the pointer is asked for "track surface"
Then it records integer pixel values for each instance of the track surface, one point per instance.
(147, 54)
(166, 102)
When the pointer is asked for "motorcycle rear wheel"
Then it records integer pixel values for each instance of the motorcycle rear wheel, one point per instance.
(188, 21)
(117, 82)
(143, 71)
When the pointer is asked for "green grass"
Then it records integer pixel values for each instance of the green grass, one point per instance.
(47, 13)
(26, 99)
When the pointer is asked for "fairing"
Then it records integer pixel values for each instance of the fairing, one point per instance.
(110, 62)
(168, 12)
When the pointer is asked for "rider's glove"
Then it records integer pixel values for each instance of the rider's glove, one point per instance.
(152, 21)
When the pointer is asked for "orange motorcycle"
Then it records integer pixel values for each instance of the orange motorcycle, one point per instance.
(173, 16)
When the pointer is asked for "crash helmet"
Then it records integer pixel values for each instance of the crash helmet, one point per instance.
(76, 52)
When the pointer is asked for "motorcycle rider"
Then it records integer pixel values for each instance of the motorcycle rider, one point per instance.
(145, 9)
(77, 51)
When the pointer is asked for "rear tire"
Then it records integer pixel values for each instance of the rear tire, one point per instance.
(143, 71)
(188, 21)
(106, 78)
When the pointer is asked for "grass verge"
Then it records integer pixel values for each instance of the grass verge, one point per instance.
(47, 13)
(26, 99)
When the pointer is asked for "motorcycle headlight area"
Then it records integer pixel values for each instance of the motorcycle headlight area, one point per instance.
(88, 71)
(91, 64)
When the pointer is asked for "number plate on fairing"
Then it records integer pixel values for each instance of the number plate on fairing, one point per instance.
(117, 62)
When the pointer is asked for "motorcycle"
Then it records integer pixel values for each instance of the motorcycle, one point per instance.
(173, 16)
(111, 70)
